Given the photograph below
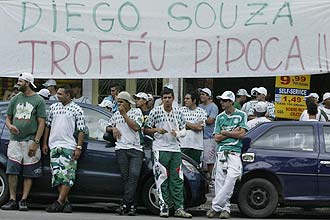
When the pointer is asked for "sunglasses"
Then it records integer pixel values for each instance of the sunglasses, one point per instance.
(224, 100)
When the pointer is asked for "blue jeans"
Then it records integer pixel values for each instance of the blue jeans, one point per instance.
(130, 163)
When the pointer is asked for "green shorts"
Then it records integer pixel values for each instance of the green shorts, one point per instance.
(63, 166)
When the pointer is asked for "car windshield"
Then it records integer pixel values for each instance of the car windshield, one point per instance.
(96, 119)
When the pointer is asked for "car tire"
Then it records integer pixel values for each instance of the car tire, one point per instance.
(258, 198)
(150, 197)
(4, 188)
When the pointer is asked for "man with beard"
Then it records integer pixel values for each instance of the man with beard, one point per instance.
(25, 120)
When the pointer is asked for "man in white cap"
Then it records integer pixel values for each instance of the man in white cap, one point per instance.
(107, 104)
(44, 93)
(141, 100)
(125, 125)
(250, 104)
(209, 144)
(320, 116)
(103, 123)
(25, 120)
(326, 104)
(260, 110)
(230, 128)
(151, 101)
(241, 97)
(261, 97)
(51, 86)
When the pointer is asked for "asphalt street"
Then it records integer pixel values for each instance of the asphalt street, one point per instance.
(99, 212)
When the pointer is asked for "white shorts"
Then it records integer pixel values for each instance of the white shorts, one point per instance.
(18, 152)
(209, 155)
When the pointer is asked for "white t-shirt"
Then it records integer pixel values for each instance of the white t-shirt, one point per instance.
(193, 139)
(82, 99)
(249, 105)
(305, 117)
(270, 110)
(256, 121)
(53, 98)
(326, 110)
(158, 102)
(63, 120)
(129, 138)
(174, 120)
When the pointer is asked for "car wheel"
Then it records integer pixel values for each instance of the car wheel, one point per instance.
(150, 196)
(4, 188)
(258, 198)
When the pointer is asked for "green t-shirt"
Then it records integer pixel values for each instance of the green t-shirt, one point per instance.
(229, 122)
(25, 110)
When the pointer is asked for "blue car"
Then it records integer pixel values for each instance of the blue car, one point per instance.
(98, 176)
(285, 163)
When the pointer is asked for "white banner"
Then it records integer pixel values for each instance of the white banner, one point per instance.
(94, 39)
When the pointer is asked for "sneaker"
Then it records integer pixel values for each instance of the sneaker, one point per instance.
(55, 207)
(131, 210)
(67, 208)
(11, 205)
(212, 213)
(182, 213)
(22, 205)
(122, 210)
(224, 215)
(164, 212)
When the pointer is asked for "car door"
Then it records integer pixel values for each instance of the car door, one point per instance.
(290, 151)
(98, 173)
(324, 161)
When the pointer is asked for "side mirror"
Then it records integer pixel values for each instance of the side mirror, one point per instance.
(246, 144)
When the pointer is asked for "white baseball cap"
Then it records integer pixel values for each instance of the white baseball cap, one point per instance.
(261, 107)
(227, 95)
(205, 90)
(50, 82)
(142, 95)
(326, 96)
(125, 96)
(150, 97)
(313, 95)
(241, 92)
(44, 93)
(169, 86)
(253, 91)
(106, 103)
(261, 90)
(27, 77)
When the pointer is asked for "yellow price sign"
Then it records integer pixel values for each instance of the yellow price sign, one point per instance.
(302, 82)
(292, 99)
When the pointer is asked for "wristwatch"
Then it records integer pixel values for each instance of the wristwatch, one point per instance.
(37, 141)
(79, 147)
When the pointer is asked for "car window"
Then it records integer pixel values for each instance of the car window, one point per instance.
(96, 123)
(287, 138)
(326, 135)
